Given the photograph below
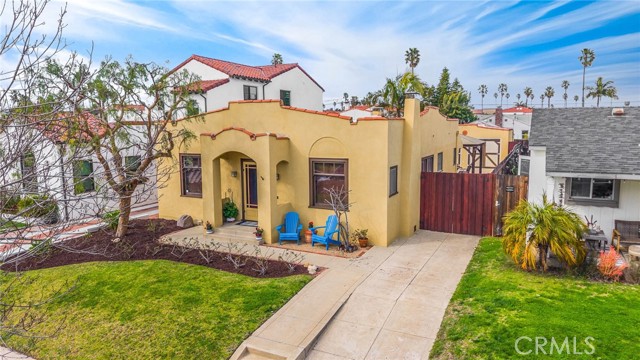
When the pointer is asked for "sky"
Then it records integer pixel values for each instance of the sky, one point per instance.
(353, 46)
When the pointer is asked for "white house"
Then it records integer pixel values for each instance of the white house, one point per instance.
(517, 118)
(589, 160)
(48, 163)
(224, 81)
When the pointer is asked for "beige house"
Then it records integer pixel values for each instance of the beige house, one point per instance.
(271, 159)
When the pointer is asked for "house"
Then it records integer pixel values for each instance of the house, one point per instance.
(589, 160)
(271, 158)
(50, 164)
(483, 146)
(517, 118)
(223, 81)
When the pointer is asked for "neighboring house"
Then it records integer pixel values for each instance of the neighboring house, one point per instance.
(589, 160)
(52, 165)
(517, 118)
(360, 111)
(224, 81)
(271, 159)
(483, 146)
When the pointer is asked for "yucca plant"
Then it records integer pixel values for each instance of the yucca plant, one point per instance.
(532, 230)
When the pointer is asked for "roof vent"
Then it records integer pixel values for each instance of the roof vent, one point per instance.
(617, 111)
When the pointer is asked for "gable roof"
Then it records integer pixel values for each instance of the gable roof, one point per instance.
(206, 85)
(588, 140)
(264, 73)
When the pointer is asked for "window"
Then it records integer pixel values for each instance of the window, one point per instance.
(83, 177)
(28, 173)
(131, 164)
(525, 134)
(455, 156)
(191, 172)
(597, 192)
(440, 161)
(285, 96)
(327, 174)
(250, 92)
(393, 180)
(427, 164)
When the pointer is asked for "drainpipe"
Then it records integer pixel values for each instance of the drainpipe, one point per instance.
(265, 84)
(64, 183)
(204, 96)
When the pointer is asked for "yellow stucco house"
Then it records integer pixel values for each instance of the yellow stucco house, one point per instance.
(272, 159)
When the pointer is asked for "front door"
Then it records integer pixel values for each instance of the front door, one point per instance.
(249, 190)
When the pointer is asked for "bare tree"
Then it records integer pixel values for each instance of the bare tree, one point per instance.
(339, 202)
(131, 111)
(30, 156)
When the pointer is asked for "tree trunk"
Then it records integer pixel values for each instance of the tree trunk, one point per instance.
(542, 252)
(584, 70)
(123, 220)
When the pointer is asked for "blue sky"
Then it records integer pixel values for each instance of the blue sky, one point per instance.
(352, 46)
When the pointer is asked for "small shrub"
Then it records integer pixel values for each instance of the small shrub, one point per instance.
(9, 203)
(37, 206)
(230, 209)
(608, 267)
(111, 219)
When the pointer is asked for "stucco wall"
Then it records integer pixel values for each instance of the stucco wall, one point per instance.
(483, 133)
(304, 92)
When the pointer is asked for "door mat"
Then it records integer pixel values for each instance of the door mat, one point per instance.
(247, 223)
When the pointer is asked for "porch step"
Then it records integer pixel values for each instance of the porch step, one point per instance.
(234, 233)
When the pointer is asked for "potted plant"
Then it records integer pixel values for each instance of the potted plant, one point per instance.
(258, 233)
(308, 233)
(230, 211)
(209, 228)
(361, 236)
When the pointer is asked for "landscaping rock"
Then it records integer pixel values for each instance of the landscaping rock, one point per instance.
(185, 221)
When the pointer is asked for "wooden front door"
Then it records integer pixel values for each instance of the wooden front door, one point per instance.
(249, 190)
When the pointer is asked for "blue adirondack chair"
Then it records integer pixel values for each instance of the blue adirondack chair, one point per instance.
(290, 230)
(330, 229)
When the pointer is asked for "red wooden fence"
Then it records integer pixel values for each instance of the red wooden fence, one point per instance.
(468, 203)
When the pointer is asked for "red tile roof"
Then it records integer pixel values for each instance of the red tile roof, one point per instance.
(63, 130)
(260, 73)
(206, 85)
(517, 109)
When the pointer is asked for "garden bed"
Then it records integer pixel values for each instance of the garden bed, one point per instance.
(141, 243)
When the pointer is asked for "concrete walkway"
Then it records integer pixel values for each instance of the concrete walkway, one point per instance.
(388, 304)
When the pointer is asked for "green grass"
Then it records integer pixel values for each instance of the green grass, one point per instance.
(150, 310)
(496, 303)
(11, 225)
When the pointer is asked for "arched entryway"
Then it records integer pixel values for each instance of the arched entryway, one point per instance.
(238, 183)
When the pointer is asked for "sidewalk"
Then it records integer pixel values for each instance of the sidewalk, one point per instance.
(387, 304)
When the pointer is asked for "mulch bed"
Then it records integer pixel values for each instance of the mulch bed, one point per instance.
(140, 243)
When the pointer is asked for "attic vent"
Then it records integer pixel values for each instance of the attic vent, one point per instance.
(617, 111)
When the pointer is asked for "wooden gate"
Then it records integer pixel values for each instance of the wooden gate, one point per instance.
(468, 203)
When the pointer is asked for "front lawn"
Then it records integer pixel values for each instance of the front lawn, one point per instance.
(152, 309)
(10, 225)
(496, 304)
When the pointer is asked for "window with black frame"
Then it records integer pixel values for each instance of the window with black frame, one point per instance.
(191, 171)
(83, 177)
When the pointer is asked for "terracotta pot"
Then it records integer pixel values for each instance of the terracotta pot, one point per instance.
(363, 242)
(307, 236)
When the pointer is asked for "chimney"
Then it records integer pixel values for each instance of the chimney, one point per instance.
(498, 116)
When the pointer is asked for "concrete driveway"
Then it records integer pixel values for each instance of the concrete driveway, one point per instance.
(395, 313)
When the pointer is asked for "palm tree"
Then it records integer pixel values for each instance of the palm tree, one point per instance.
(502, 88)
(602, 88)
(394, 91)
(528, 93)
(565, 86)
(531, 230)
(495, 95)
(575, 99)
(483, 90)
(532, 97)
(587, 56)
(518, 97)
(507, 96)
(541, 100)
(276, 59)
(412, 58)
(549, 93)
(612, 94)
